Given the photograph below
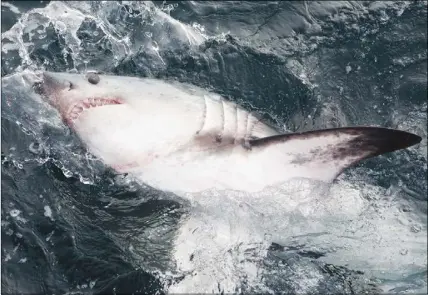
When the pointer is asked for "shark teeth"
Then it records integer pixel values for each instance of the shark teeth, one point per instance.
(78, 108)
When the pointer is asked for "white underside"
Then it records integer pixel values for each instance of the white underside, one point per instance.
(167, 156)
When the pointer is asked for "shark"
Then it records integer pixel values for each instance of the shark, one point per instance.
(181, 138)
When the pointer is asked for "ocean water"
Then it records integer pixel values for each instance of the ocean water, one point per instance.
(69, 225)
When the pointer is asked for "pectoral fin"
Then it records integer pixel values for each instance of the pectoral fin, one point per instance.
(324, 154)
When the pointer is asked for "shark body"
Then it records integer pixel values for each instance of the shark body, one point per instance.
(180, 138)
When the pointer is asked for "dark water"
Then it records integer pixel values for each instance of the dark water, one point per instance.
(70, 225)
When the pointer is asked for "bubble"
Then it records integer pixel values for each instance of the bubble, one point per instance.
(67, 173)
(15, 213)
(348, 69)
(17, 164)
(92, 284)
(50, 236)
(415, 228)
(85, 180)
(61, 26)
(35, 148)
(48, 212)
(155, 46)
(406, 208)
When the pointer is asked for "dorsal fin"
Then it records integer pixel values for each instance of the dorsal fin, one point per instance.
(324, 154)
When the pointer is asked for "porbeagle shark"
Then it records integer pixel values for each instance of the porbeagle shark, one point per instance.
(183, 139)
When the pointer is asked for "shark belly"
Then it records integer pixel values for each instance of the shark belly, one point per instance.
(184, 146)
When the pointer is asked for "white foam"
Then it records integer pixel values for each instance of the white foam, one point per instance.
(48, 212)
(357, 225)
(7, 258)
(12, 7)
(67, 17)
(228, 234)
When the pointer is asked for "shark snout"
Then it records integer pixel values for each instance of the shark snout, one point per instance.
(54, 88)
(50, 79)
(53, 82)
(50, 85)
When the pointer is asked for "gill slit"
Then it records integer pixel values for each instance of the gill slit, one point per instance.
(247, 114)
(204, 115)
(235, 132)
(223, 123)
(253, 124)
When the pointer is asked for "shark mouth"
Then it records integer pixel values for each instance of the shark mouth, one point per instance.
(77, 109)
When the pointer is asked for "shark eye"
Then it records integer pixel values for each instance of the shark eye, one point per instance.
(93, 78)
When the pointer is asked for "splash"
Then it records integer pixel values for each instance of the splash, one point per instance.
(66, 20)
(224, 244)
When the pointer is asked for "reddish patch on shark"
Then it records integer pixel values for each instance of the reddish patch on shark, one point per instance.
(123, 168)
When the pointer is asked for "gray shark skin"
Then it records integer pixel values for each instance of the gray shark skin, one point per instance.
(183, 139)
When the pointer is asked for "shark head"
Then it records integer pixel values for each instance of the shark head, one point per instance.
(106, 112)
(127, 122)
(72, 94)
